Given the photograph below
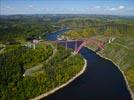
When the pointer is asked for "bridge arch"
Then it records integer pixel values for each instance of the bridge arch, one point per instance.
(77, 47)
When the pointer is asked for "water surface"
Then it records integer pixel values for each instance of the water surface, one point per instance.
(102, 80)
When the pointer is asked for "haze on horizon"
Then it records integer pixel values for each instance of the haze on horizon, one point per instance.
(107, 7)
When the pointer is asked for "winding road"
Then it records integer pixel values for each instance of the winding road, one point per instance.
(28, 72)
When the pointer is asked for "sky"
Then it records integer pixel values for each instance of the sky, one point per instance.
(107, 7)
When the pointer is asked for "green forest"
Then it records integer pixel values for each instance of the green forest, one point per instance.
(18, 28)
(58, 70)
(86, 28)
(56, 65)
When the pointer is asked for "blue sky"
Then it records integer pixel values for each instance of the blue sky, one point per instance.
(112, 7)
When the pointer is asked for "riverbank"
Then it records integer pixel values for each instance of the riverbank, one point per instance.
(127, 84)
(63, 85)
(125, 78)
(120, 51)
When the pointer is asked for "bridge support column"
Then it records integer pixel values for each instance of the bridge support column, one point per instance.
(56, 44)
(75, 46)
(66, 44)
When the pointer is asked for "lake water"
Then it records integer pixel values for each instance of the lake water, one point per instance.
(102, 80)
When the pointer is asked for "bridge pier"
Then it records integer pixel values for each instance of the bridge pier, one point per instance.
(75, 46)
(66, 44)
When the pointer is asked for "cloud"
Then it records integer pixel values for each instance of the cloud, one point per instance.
(4, 9)
(45, 9)
(9, 8)
(112, 9)
(119, 8)
(30, 6)
(97, 7)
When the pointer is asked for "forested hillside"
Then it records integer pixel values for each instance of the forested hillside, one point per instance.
(56, 65)
(19, 28)
(15, 60)
(86, 28)
(120, 50)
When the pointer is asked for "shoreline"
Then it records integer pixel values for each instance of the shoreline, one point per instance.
(122, 72)
(63, 85)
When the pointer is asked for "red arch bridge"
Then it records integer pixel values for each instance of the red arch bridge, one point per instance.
(78, 44)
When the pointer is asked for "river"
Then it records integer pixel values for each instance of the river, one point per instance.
(102, 80)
